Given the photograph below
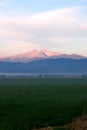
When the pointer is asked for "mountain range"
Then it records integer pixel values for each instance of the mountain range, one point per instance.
(45, 66)
(44, 62)
(36, 55)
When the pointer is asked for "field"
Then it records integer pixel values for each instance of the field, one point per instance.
(36, 103)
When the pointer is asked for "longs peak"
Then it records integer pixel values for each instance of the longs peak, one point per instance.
(39, 54)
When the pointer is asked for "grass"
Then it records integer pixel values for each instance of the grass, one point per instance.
(80, 123)
(36, 103)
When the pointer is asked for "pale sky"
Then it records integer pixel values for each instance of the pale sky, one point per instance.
(56, 25)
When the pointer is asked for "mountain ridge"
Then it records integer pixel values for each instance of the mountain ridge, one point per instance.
(39, 54)
(57, 65)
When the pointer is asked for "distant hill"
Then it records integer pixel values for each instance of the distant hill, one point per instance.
(55, 65)
(36, 55)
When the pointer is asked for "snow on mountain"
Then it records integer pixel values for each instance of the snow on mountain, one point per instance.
(1, 57)
(31, 55)
(51, 53)
(36, 54)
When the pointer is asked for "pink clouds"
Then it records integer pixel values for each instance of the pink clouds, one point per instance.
(54, 28)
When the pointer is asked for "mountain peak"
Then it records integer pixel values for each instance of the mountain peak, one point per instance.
(50, 53)
(39, 54)
(1, 57)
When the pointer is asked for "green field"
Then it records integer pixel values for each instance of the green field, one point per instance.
(35, 103)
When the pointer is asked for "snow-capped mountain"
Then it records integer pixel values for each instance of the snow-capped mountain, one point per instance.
(31, 55)
(1, 57)
(39, 54)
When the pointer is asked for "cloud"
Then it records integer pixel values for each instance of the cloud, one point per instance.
(44, 29)
(11, 47)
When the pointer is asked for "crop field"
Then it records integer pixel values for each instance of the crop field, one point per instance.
(35, 103)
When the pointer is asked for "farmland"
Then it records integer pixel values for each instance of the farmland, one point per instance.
(35, 103)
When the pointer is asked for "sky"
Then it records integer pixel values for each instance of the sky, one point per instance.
(56, 25)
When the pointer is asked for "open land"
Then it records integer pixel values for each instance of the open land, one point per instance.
(41, 102)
